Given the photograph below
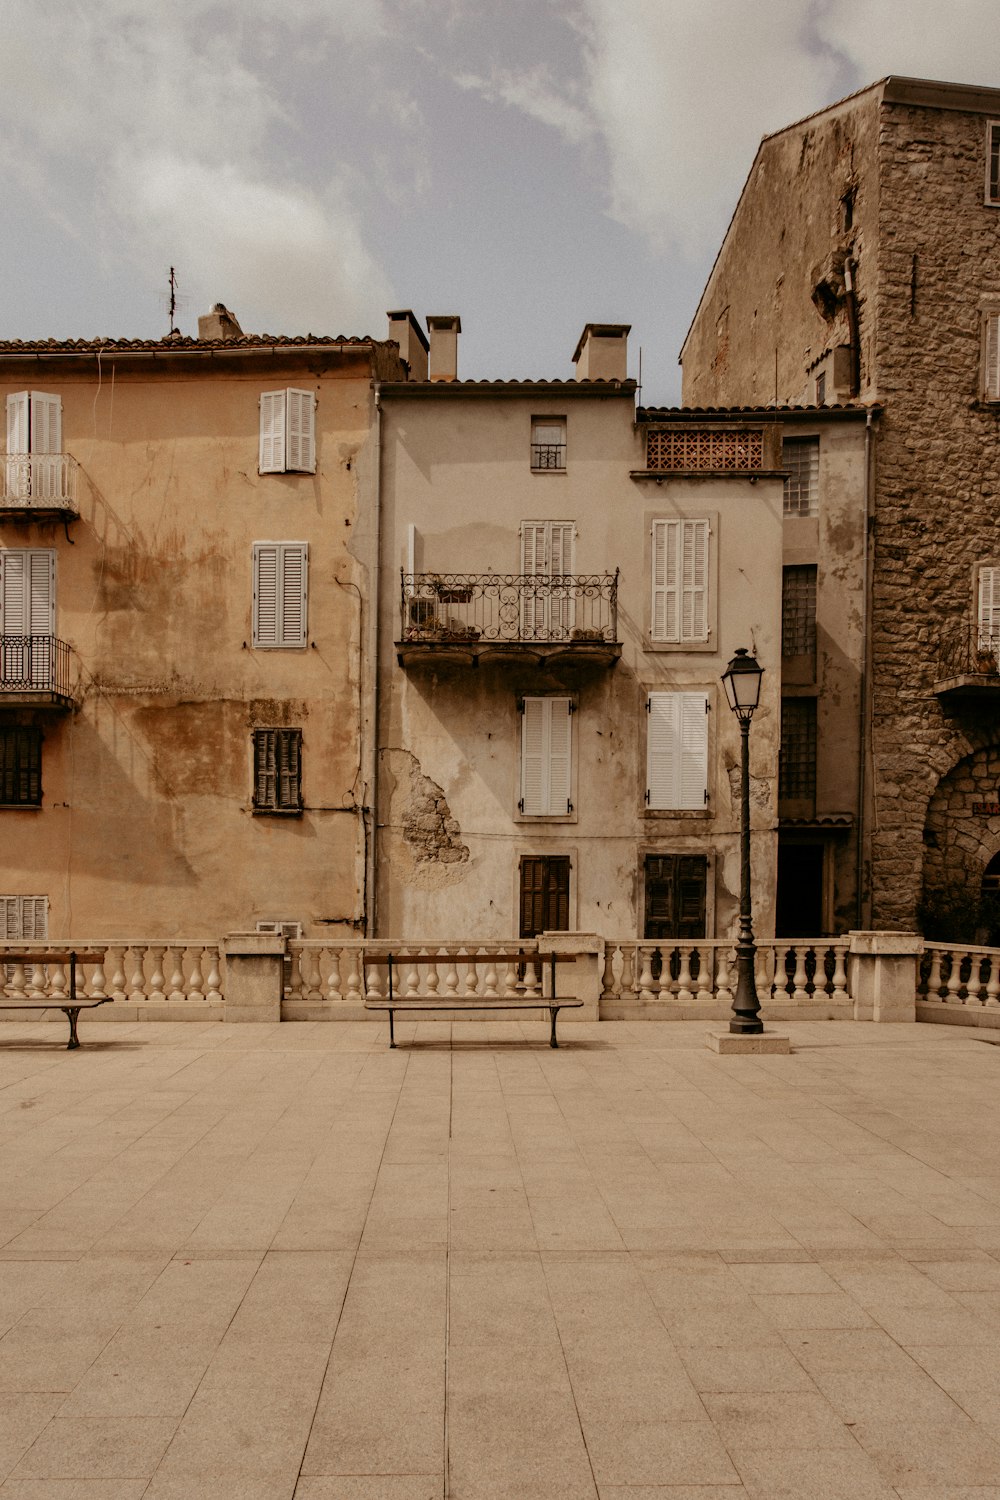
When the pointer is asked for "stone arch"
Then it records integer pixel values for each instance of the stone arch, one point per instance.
(961, 837)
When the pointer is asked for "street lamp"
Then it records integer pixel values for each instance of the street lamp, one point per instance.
(742, 679)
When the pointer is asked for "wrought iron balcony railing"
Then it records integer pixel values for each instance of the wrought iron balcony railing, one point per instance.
(514, 608)
(548, 455)
(38, 481)
(33, 665)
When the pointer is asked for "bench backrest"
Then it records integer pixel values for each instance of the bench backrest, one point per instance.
(396, 961)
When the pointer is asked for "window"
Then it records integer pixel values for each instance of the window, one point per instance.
(288, 432)
(680, 581)
(821, 388)
(277, 770)
(20, 766)
(34, 423)
(544, 895)
(24, 919)
(988, 611)
(991, 357)
(800, 456)
(547, 554)
(993, 161)
(797, 763)
(546, 757)
(677, 752)
(280, 593)
(548, 443)
(675, 886)
(798, 611)
(27, 616)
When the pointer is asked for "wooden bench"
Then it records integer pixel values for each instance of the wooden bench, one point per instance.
(70, 1005)
(404, 962)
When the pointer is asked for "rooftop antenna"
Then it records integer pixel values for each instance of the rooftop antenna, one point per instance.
(638, 394)
(173, 302)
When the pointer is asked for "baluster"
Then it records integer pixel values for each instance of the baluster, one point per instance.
(432, 979)
(608, 976)
(413, 980)
(646, 980)
(213, 979)
(531, 987)
(137, 983)
(17, 984)
(118, 980)
(490, 991)
(195, 979)
(36, 989)
(666, 985)
(156, 978)
(295, 987)
(934, 977)
(723, 993)
(684, 992)
(471, 976)
(628, 953)
(57, 982)
(993, 983)
(373, 983)
(510, 977)
(333, 981)
(955, 976)
(780, 974)
(839, 972)
(704, 995)
(174, 962)
(355, 962)
(98, 980)
(312, 978)
(451, 977)
(799, 980)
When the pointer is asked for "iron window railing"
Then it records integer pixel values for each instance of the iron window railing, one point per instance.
(548, 455)
(32, 481)
(971, 651)
(553, 608)
(34, 664)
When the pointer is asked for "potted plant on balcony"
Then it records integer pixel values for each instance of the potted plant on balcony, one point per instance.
(986, 661)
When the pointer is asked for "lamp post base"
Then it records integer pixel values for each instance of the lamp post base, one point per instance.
(728, 1045)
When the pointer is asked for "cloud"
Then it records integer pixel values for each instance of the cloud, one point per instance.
(533, 93)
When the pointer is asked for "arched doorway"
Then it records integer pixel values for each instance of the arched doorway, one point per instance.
(961, 866)
(989, 904)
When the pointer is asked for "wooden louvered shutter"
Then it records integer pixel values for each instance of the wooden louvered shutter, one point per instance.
(293, 591)
(265, 779)
(546, 757)
(300, 445)
(677, 751)
(694, 586)
(272, 432)
(665, 581)
(989, 609)
(265, 593)
(287, 759)
(993, 357)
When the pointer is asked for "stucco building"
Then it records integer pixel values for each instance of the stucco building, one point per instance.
(562, 585)
(862, 263)
(185, 711)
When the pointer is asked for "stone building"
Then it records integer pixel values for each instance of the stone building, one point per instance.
(862, 263)
(185, 725)
(562, 586)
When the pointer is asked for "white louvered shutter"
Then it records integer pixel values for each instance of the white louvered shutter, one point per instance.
(265, 594)
(561, 602)
(677, 751)
(18, 409)
(533, 564)
(546, 757)
(272, 432)
(300, 446)
(294, 585)
(46, 423)
(694, 585)
(993, 356)
(989, 609)
(27, 591)
(665, 580)
(34, 918)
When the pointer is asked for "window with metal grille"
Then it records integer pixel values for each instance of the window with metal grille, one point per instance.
(800, 457)
(707, 448)
(797, 764)
(798, 611)
(277, 770)
(993, 161)
(20, 766)
(548, 442)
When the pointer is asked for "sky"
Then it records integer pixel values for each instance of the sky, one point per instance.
(532, 165)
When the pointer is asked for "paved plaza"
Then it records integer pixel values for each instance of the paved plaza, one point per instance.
(263, 1262)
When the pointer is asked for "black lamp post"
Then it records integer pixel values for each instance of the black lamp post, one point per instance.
(742, 679)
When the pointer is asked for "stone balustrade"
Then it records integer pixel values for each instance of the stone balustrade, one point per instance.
(966, 976)
(151, 976)
(701, 975)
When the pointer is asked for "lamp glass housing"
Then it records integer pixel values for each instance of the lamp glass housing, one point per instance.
(742, 680)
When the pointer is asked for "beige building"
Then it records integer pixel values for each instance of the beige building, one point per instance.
(561, 588)
(185, 725)
(862, 261)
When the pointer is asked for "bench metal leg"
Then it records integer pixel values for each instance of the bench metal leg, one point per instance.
(553, 1012)
(71, 1011)
(392, 1038)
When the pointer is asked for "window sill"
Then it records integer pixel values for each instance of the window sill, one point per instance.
(20, 806)
(548, 471)
(678, 646)
(531, 820)
(277, 812)
(688, 814)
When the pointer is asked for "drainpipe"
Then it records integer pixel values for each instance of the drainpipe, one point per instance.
(862, 895)
(374, 633)
(852, 326)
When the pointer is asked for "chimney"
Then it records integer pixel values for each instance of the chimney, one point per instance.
(602, 353)
(219, 324)
(408, 334)
(444, 333)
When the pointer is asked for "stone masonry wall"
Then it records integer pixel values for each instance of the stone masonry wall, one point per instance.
(938, 473)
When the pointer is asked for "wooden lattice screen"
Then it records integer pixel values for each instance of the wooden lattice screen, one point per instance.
(703, 448)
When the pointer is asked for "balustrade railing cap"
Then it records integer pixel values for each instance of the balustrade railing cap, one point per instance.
(247, 944)
(887, 944)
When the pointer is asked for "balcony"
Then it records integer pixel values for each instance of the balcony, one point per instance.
(969, 667)
(33, 484)
(472, 618)
(34, 672)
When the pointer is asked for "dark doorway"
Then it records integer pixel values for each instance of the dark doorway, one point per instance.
(675, 895)
(800, 890)
(544, 894)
